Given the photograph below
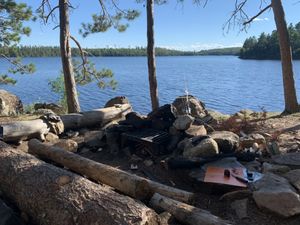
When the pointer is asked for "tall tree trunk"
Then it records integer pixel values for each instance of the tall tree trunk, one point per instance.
(66, 58)
(290, 97)
(151, 55)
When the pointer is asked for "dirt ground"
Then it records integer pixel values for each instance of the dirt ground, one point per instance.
(286, 130)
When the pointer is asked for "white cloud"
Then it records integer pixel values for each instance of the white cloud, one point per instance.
(261, 19)
(199, 46)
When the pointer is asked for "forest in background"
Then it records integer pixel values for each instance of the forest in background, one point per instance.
(266, 46)
(48, 51)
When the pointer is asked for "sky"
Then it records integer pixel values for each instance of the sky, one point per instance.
(182, 26)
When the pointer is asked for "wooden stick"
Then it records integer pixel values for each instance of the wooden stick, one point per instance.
(122, 181)
(185, 213)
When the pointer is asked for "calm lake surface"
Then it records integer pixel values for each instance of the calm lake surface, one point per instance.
(224, 83)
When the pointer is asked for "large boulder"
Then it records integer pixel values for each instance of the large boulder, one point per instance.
(183, 122)
(275, 194)
(291, 160)
(196, 130)
(227, 141)
(249, 140)
(190, 105)
(163, 117)
(10, 104)
(294, 178)
(205, 148)
(116, 101)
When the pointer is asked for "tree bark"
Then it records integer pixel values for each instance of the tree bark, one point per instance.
(22, 130)
(66, 57)
(290, 96)
(184, 213)
(95, 117)
(151, 55)
(122, 181)
(50, 195)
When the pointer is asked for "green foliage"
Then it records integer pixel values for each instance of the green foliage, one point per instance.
(12, 16)
(266, 46)
(84, 74)
(109, 19)
(46, 51)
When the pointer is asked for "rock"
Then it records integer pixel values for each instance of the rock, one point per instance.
(10, 104)
(183, 122)
(196, 130)
(240, 208)
(173, 142)
(294, 178)
(174, 131)
(206, 148)
(117, 101)
(57, 109)
(249, 140)
(185, 143)
(163, 117)
(67, 144)
(148, 162)
(136, 120)
(189, 105)
(43, 112)
(8, 216)
(227, 141)
(291, 160)
(275, 194)
(72, 134)
(277, 169)
(52, 138)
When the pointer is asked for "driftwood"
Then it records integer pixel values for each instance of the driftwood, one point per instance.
(50, 195)
(95, 117)
(122, 181)
(184, 213)
(23, 130)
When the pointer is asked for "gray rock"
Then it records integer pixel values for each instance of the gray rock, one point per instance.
(291, 160)
(184, 104)
(51, 106)
(67, 144)
(227, 141)
(10, 104)
(196, 130)
(206, 148)
(277, 169)
(275, 194)
(185, 143)
(294, 178)
(183, 122)
(248, 141)
(116, 101)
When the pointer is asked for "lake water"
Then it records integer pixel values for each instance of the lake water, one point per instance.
(224, 83)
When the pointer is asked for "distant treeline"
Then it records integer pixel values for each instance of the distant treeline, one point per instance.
(266, 46)
(46, 51)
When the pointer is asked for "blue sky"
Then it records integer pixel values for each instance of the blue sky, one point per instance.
(178, 26)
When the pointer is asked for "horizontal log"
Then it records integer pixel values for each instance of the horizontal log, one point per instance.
(50, 195)
(97, 117)
(129, 184)
(22, 130)
(185, 213)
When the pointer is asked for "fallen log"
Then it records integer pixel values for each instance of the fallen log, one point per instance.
(185, 213)
(95, 117)
(50, 195)
(22, 130)
(129, 184)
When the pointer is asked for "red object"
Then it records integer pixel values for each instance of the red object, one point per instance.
(216, 175)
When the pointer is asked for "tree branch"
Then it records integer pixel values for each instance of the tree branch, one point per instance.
(257, 15)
